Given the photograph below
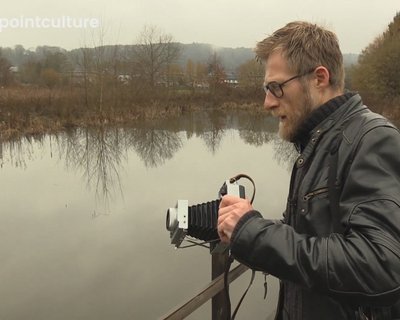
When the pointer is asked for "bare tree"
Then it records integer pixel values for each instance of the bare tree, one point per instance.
(98, 62)
(216, 73)
(154, 52)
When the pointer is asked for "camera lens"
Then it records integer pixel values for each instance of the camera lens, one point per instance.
(171, 220)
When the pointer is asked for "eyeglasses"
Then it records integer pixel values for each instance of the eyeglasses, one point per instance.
(276, 88)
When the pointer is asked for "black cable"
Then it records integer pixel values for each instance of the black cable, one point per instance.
(242, 175)
(253, 273)
(226, 285)
(195, 243)
(192, 245)
(231, 259)
(226, 289)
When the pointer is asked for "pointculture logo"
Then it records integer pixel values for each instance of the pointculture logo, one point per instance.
(63, 22)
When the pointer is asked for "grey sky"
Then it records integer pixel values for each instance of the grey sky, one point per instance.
(226, 23)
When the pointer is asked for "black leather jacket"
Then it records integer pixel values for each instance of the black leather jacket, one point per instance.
(335, 265)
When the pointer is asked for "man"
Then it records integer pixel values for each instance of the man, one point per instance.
(337, 249)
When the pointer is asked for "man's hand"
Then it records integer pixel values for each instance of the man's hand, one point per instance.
(231, 209)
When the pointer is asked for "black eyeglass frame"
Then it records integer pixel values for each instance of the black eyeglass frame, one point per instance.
(267, 87)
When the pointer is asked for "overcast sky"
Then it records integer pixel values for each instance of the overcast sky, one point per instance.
(224, 23)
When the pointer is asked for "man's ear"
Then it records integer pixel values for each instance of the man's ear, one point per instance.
(322, 76)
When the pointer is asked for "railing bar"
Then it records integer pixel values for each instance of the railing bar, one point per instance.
(204, 295)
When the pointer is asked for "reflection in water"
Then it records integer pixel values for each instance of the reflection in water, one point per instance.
(285, 153)
(256, 138)
(257, 130)
(261, 130)
(154, 146)
(213, 132)
(99, 152)
(60, 264)
(213, 139)
(16, 153)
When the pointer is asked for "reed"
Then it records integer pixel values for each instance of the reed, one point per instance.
(31, 110)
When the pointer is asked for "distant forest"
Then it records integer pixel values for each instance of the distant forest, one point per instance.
(149, 68)
(68, 60)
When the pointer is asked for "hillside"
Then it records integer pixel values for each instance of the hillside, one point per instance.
(230, 58)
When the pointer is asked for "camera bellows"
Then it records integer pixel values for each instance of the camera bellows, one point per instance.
(200, 221)
(203, 220)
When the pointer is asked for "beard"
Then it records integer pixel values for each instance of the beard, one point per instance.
(301, 110)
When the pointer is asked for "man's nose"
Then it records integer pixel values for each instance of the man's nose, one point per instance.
(270, 101)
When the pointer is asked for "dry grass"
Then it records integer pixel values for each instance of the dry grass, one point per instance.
(31, 110)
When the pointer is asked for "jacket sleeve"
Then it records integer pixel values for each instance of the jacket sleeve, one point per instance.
(360, 266)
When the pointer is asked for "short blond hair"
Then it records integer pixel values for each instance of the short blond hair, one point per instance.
(306, 46)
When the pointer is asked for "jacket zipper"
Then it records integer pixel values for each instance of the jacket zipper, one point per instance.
(314, 193)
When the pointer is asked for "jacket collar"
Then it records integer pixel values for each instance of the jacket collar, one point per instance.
(316, 117)
(333, 122)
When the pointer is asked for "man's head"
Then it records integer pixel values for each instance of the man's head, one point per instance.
(311, 56)
(306, 46)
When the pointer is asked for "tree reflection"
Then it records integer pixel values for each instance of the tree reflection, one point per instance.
(154, 146)
(99, 153)
(257, 130)
(262, 129)
(17, 152)
(285, 152)
(211, 128)
(255, 138)
(212, 139)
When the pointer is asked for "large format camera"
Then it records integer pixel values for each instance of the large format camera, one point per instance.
(200, 220)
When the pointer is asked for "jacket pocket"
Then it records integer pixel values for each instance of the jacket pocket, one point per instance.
(315, 193)
(313, 209)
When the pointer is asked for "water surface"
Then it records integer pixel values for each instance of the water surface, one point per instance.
(82, 222)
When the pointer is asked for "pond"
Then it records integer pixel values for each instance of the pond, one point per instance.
(82, 223)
